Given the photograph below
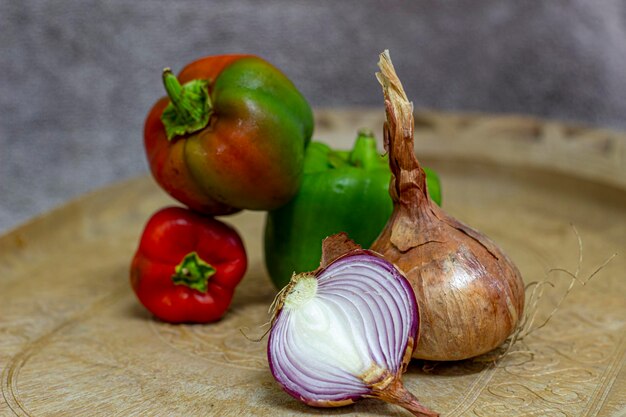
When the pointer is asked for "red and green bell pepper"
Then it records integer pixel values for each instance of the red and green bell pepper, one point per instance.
(341, 191)
(187, 266)
(230, 135)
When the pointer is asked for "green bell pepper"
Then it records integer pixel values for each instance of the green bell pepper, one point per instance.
(341, 191)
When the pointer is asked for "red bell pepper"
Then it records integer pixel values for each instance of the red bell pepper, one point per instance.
(230, 135)
(187, 266)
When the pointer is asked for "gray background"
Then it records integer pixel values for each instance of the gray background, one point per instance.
(78, 76)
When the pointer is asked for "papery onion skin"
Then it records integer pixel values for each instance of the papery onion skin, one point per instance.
(468, 307)
(374, 305)
(471, 295)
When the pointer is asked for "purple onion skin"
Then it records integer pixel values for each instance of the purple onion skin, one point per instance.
(410, 343)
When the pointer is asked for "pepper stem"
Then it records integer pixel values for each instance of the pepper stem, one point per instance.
(364, 153)
(190, 107)
(193, 272)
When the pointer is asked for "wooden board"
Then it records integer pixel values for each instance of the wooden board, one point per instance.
(74, 341)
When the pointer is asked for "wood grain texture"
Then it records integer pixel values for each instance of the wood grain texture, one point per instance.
(74, 341)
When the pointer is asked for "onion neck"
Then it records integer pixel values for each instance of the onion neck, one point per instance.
(413, 209)
(408, 186)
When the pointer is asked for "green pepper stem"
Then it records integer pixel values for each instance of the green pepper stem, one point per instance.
(364, 153)
(190, 107)
(193, 272)
(175, 93)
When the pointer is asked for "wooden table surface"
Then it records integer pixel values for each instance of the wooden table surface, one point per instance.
(74, 341)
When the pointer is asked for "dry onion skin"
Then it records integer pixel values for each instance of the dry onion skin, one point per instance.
(471, 295)
(345, 331)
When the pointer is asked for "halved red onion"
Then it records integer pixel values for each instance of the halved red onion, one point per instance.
(346, 332)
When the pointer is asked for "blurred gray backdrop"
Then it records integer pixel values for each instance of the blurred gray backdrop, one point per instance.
(78, 76)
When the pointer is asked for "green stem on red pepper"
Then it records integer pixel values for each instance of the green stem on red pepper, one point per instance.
(193, 272)
(190, 105)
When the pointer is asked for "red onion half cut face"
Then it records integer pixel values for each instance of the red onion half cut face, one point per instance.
(344, 332)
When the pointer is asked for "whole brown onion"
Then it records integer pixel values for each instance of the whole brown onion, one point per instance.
(470, 294)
